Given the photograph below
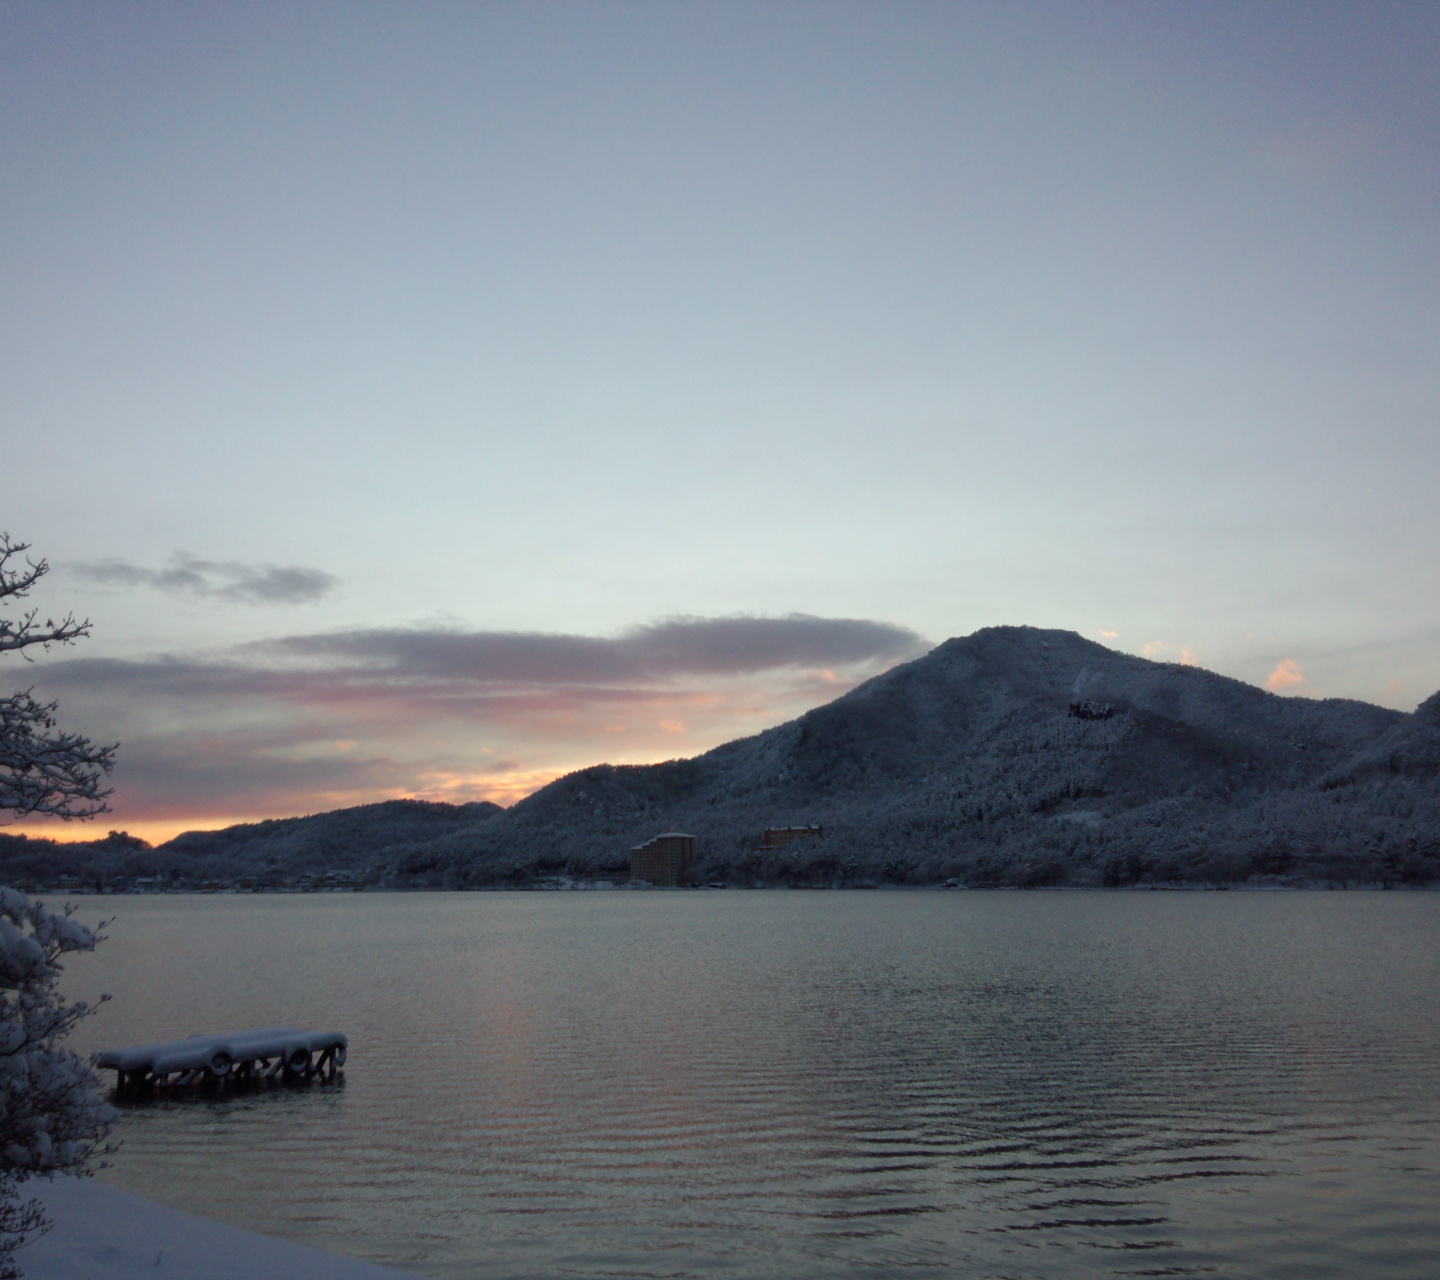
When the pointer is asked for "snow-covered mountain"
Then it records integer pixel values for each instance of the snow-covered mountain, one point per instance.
(1013, 755)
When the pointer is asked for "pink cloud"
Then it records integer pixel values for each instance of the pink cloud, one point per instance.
(1157, 649)
(1286, 676)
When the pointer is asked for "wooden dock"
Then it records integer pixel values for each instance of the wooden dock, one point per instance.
(285, 1053)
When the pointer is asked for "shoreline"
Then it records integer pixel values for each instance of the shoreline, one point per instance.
(102, 1233)
(1258, 884)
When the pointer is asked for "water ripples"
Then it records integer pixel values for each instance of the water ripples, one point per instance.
(814, 1085)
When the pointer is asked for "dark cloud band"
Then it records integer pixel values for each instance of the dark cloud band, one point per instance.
(326, 666)
(308, 722)
(673, 647)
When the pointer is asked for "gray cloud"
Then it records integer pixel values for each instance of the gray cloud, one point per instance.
(304, 723)
(255, 771)
(420, 666)
(244, 771)
(673, 647)
(227, 580)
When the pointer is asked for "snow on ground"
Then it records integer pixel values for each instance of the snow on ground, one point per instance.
(101, 1233)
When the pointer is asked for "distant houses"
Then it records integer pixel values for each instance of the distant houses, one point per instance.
(665, 860)
(779, 837)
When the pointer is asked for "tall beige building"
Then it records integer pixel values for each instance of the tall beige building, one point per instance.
(665, 860)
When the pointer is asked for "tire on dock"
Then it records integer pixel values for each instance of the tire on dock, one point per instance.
(241, 1057)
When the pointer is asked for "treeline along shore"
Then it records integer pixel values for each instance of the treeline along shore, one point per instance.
(1013, 756)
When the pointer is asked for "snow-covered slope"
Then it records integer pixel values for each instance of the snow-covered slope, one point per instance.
(101, 1233)
(1409, 749)
(1012, 754)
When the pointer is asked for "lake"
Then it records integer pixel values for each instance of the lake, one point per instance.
(787, 1085)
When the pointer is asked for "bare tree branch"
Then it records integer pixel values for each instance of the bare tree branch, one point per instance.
(22, 632)
(42, 769)
(20, 1222)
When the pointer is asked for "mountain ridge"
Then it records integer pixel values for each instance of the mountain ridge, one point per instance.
(1013, 755)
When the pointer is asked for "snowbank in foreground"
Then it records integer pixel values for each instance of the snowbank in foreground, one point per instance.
(104, 1234)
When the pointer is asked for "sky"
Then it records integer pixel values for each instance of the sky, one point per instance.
(429, 399)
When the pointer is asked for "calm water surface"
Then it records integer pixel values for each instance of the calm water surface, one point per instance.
(792, 1085)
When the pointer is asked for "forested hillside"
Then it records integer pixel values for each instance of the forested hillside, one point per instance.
(280, 852)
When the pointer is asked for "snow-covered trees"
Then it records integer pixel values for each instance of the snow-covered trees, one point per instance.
(52, 1114)
(53, 1117)
(42, 769)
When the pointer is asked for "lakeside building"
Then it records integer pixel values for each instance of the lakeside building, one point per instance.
(665, 860)
(779, 837)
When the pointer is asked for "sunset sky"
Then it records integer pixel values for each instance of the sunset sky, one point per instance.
(427, 399)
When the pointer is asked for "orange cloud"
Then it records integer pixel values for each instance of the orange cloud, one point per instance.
(1286, 675)
(504, 788)
(1110, 635)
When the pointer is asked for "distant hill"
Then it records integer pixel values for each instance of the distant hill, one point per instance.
(279, 851)
(1014, 755)
(342, 838)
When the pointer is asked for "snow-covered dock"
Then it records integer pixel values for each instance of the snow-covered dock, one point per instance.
(287, 1052)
